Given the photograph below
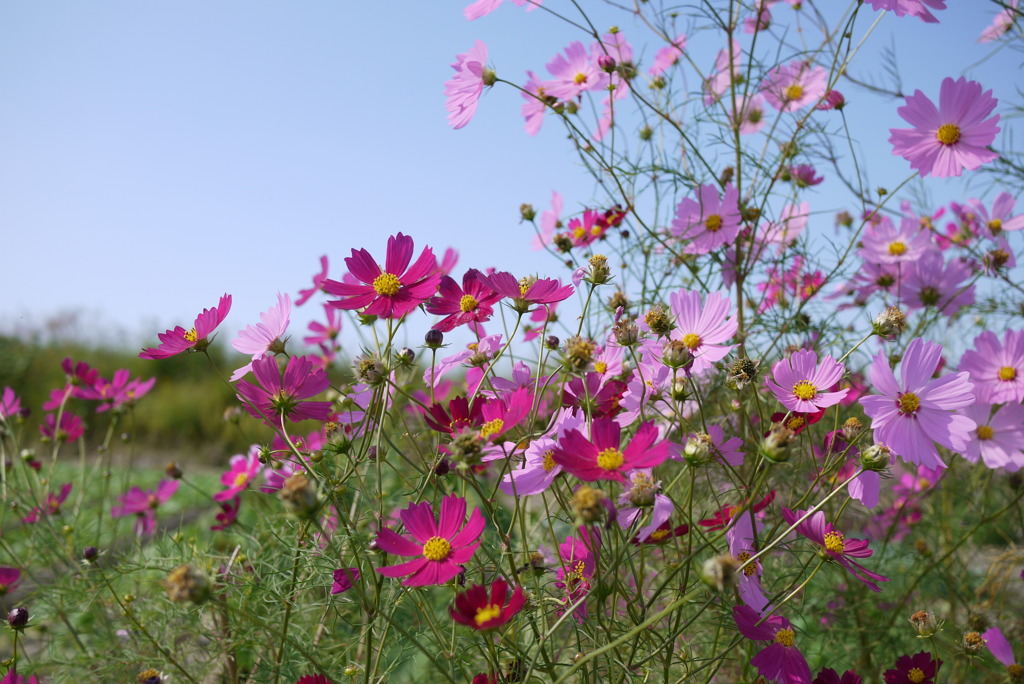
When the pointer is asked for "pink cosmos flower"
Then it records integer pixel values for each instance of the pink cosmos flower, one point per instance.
(999, 439)
(910, 416)
(526, 292)
(794, 86)
(71, 427)
(912, 8)
(175, 341)
(51, 507)
(1001, 24)
(997, 370)
(318, 283)
(955, 136)
(574, 73)
(442, 547)
(804, 175)
(228, 513)
(1001, 217)
(836, 546)
(535, 102)
(1001, 650)
(326, 333)
(931, 281)
(709, 222)
(279, 396)
(726, 71)
(884, 244)
(792, 222)
(116, 392)
(668, 56)
(833, 100)
(539, 469)
(602, 458)
(392, 292)
(344, 579)
(464, 89)
(643, 493)
(703, 328)
(10, 404)
(470, 304)
(241, 472)
(12, 677)
(266, 337)
(830, 676)
(481, 8)
(742, 535)
(579, 563)
(9, 578)
(549, 222)
(143, 505)
(750, 114)
(799, 381)
(781, 660)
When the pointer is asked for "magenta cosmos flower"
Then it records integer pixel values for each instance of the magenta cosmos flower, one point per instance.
(837, 547)
(10, 404)
(280, 396)
(602, 458)
(344, 579)
(703, 328)
(440, 545)
(794, 86)
(175, 341)
(241, 471)
(799, 381)
(526, 292)
(143, 504)
(9, 578)
(708, 222)
(464, 89)
(393, 291)
(781, 660)
(910, 416)
(955, 136)
(474, 608)
(471, 303)
(996, 369)
(919, 668)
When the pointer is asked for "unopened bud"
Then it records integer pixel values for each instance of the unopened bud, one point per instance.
(17, 618)
(924, 623)
(698, 450)
(776, 445)
(659, 322)
(588, 503)
(300, 496)
(675, 354)
(876, 457)
(599, 270)
(187, 583)
(606, 63)
(434, 338)
(972, 643)
(527, 212)
(489, 77)
(173, 471)
(889, 323)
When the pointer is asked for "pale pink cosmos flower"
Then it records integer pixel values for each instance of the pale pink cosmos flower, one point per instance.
(266, 337)
(800, 382)
(574, 73)
(999, 646)
(794, 86)
(668, 56)
(1001, 24)
(883, 243)
(177, 340)
(549, 222)
(791, 224)
(318, 283)
(930, 281)
(439, 546)
(709, 222)
(833, 100)
(539, 469)
(727, 69)
(703, 328)
(912, 8)
(1001, 216)
(750, 113)
(996, 368)
(463, 90)
(536, 102)
(949, 138)
(481, 8)
(998, 440)
(912, 415)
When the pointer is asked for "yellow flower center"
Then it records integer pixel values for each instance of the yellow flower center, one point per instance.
(486, 614)
(1007, 373)
(995, 225)
(908, 403)
(580, 79)
(386, 284)
(897, 248)
(804, 390)
(916, 674)
(794, 92)
(437, 549)
(579, 232)
(549, 461)
(467, 303)
(784, 637)
(524, 286)
(192, 335)
(600, 366)
(834, 542)
(596, 231)
(491, 427)
(948, 134)
(658, 535)
(795, 422)
(241, 479)
(691, 340)
(610, 459)
(713, 223)
(985, 432)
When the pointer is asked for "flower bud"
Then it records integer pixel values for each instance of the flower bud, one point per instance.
(579, 352)
(187, 583)
(527, 212)
(606, 63)
(405, 356)
(369, 370)
(626, 332)
(149, 676)
(777, 442)
(588, 503)
(173, 471)
(972, 643)
(876, 457)
(924, 623)
(17, 618)
(300, 496)
(489, 77)
(434, 338)
(698, 450)
(659, 322)
(889, 323)
(90, 554)
(675, 354)
(599, 270)
(851, 428)
(552, 342)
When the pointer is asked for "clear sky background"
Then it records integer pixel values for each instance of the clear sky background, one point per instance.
(154, 155)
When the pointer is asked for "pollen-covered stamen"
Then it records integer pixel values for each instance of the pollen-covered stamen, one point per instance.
(386, 284)
(985, 432)
(549, 461)
(785, 637)
(1007, 373)
(601, 367)
(713, 223)
(580, 79)
(491, 428)
(948, 134)
(192, 335)
(610, 459)
(486, 614)
(995, 225)
(579, 232)
(437, 549)
(241, 479)
(658, 535)
(908, 403)
(915, 675)
(468, 303)
(897, 248)
(794, 92)
(805, 390)
(691, 340)
(835, 542)
(748, 570)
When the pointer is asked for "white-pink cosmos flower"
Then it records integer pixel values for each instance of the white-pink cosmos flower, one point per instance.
(704, 329)
(264, 337)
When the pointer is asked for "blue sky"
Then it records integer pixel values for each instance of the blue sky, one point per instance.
(157, 155)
